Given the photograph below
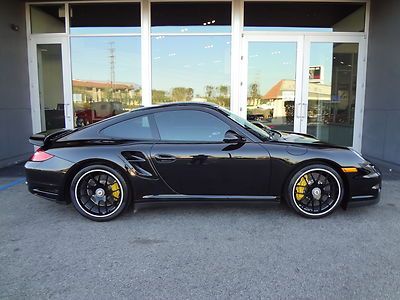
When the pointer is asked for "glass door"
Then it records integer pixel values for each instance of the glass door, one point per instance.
(308, 83)
(50, 91)
(272, 83)
(332, 93)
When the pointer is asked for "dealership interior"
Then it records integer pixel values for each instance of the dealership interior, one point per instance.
(304, 66)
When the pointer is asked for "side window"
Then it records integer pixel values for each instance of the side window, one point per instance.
(132, 129)
(190, 125)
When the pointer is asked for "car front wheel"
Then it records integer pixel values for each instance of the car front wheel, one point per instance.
(315, 191)
(99, 193)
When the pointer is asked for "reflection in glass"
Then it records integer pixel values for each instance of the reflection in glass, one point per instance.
(191, 68)
(272, 83)
(51, 93)
(304, 16)
(332, 92)
(96, 18)
(106, 77)
(47, 18)
(190, 17)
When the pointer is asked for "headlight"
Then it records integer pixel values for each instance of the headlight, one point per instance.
(371, 171)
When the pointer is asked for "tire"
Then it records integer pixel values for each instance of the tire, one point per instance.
(315, 191)
(99, 193)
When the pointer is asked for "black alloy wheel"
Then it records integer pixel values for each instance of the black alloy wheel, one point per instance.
(99, 192)
(315, 191)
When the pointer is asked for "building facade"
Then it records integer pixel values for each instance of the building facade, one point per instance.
(327, 68)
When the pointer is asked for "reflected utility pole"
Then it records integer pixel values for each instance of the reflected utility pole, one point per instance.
(112, 67)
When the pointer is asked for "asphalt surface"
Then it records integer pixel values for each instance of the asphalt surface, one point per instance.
(203, 251)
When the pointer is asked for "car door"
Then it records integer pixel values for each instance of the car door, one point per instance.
(193, 159)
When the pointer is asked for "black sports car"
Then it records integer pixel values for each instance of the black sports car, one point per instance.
(195, 152)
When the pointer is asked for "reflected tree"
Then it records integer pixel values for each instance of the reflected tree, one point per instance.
(209, 91)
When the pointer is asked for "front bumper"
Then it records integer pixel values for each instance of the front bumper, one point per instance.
(365, 186)
(365, 200)
(47, 178)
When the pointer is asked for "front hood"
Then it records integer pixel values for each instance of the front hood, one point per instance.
(294, 137)
(302, 138)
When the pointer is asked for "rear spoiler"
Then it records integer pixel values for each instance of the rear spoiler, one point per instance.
(46, 138)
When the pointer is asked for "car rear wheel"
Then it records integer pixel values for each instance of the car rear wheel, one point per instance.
(99, 193)
(315, 191)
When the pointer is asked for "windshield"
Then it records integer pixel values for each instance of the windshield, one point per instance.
(261, 134)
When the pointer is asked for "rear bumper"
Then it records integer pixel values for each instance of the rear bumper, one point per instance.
(47, 179)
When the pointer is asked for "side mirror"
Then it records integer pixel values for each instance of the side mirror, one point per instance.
(261, 125)
(232, 137)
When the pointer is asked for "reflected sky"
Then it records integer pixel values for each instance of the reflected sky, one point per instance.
(190, 61)
(91, 59)
(270, 62)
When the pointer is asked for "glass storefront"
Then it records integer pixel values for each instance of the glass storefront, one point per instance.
(332, 92)
(186, 51)
(272, 83)
(50, 79)
(191, 68)
(106, 77)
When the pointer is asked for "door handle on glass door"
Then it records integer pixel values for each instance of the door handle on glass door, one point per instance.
(164, 158)
(67, 114)
(305, 112)
(298, 110)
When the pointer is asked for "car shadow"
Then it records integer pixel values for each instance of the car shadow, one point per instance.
(207, 208)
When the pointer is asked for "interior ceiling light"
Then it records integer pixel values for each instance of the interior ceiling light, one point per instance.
(209, 22)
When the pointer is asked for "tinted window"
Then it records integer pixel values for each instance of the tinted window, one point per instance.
(304, 16)
(190, 125)
(88, 18)
(192, 16)
(48, 18)
(132, 129)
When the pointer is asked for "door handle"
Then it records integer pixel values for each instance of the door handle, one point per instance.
(298, 110)
(305, 112)
(67, 114)
(164, 158)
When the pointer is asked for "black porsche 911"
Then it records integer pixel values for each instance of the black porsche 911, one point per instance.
(195, 152)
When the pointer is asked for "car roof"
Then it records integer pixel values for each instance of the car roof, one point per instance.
(91, 131)
(178, 104)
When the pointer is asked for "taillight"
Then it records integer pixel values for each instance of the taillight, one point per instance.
(40, 155)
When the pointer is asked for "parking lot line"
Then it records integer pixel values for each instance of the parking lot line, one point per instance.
(12, 183)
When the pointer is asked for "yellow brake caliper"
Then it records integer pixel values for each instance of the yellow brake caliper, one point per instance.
(115, 191)
(300, 187)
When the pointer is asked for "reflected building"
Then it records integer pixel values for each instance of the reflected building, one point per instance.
(96, 91)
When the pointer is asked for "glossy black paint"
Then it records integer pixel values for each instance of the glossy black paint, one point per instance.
(247, 169)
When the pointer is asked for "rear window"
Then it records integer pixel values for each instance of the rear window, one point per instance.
(132, 129)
